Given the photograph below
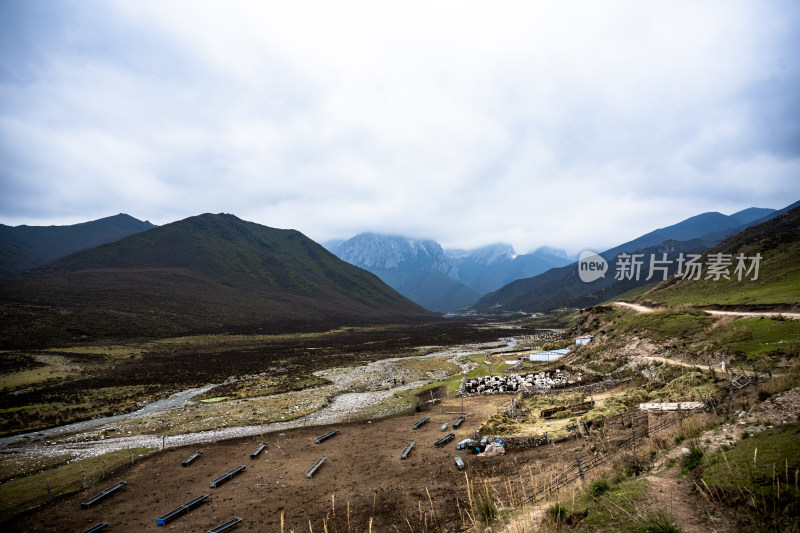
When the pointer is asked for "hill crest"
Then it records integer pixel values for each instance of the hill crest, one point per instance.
(208, 273)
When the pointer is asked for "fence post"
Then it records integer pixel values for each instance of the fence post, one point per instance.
(163, 442)
(49, 494)
(83, 477)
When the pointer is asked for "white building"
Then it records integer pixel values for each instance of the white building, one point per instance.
(582, 341)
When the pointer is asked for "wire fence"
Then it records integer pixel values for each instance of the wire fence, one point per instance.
(635, 420)
(26, 493)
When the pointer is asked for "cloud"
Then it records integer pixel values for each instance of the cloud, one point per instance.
(532, 123)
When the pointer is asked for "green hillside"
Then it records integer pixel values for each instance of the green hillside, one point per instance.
(778, 282)
(209, 273)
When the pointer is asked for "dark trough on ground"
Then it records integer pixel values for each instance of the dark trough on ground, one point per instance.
(226, 526)
(178, 511)
(407, 450)
(188, 460)
(313, 470)
(458, 422)
(102, 495)
(444, 440)
(258, 450)
(227, 476)
(326, 436)
(421, 422)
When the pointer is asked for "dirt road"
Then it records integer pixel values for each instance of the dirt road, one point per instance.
(644, 309)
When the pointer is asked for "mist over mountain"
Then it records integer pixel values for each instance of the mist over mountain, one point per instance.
(442, 280)
(417, 269)
(488, 268)
(25, 247)
(388, 252)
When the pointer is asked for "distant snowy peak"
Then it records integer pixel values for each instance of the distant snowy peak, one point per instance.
(376, 251)
(489, 254)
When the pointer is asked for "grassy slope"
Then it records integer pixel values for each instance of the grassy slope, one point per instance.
(778, 283)
(694, 334)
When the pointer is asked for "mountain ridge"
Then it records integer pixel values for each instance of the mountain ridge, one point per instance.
(26, 247)
(208, 273)
(561, 287)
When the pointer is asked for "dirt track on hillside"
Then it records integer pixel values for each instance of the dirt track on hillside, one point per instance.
(645, 309)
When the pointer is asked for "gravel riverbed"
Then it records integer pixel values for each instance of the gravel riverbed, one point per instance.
(354, 390)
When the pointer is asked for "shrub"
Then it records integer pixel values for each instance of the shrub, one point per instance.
(599, 487)
(557, 512)
(628, 465)
(692, 459)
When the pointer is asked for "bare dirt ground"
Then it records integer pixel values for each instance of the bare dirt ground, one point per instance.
(363, 470)
(677, 497)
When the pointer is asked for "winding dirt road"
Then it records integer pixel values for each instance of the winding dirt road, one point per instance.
(645, 309)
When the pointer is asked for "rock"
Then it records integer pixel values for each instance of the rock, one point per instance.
(685, 451)
(742, 414)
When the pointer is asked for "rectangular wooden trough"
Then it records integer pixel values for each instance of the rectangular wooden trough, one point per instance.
(407, 450)
(313, 470)
(671, 406)
(227, 476)
(421, 422)
(102, 495)
(178, 511)
(444, 440)
(458, 422)
(98, 527)
(188, 460)
(233, 522)
(326, 436)
(258, 450)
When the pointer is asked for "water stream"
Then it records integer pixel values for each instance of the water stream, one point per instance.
(167, 403)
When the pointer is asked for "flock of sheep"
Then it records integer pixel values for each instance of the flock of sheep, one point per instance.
(516, 383)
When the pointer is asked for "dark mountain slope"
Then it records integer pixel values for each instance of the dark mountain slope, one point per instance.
(435, 291)
(777, 241)
(562, 287)
(209, 273)
(25, 247)
(692, 228)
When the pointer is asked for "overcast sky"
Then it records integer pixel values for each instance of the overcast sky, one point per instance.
(568, 124)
